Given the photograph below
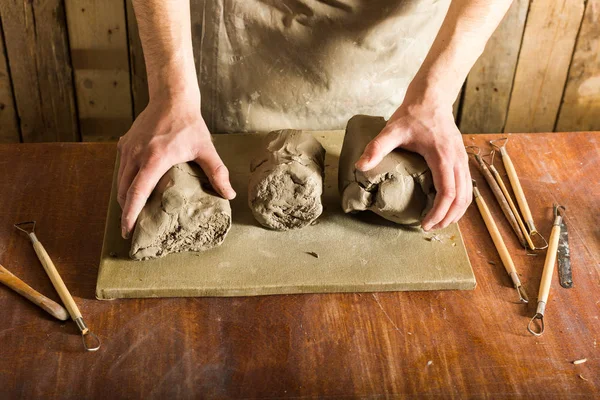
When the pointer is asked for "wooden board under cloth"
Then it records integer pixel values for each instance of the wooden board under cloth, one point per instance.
(359, 253)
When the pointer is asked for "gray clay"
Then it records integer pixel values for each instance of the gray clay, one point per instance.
(182, 214)
(399, 189)
(286, 180)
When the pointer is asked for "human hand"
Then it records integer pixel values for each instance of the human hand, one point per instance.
(168, 132)
(427, 128)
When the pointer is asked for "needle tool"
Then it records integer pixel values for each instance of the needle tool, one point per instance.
(91, 342)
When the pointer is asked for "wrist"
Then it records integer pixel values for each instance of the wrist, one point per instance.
(434, 90)
(175, 80)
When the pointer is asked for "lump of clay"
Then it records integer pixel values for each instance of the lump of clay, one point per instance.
(286, 180)
(399, 189)
(182, 214)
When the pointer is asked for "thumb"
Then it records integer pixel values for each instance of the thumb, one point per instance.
(216, 171)
(382, 145)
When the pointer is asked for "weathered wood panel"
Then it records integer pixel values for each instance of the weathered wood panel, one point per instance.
(98, 38)
(548, 42)
(581, 102)
(488, 87)
(38, 58)
(139, 80)
(9, 128)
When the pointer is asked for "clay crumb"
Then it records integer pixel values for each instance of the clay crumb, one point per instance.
(492, 262)
(429, 363)
(581, 376)
(433, 238)
(315, 222)
(312, 253)
(581, 361)
(453, 244)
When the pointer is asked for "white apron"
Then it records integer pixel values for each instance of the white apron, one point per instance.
(309, 64)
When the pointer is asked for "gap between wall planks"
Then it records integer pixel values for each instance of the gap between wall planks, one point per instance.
(38, 58)
(488, 87)
(99, 52)
(581, 101)
(548, 42)
(139, 81)
(9, 127)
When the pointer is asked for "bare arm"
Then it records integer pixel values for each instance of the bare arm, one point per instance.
(424, 122)
(171, 129)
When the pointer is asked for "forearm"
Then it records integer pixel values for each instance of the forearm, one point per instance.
(165, 33)
(461, 40)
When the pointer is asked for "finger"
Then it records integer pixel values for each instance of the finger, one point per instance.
(377, 149)
(469, 195)
(445, 186)
(457, 208)
(142, 185)
(217, 173)
(127, 171)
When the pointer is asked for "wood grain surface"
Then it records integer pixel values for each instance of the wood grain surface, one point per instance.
(489, 84)
(99, 55)
(455, 344)
(37, 49)
(548, 42)
(581, 100)
(9, 127)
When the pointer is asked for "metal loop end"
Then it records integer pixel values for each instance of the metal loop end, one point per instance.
(523, 298)
(532, 325)
(473, 150)
(491, 155)
(536, 233)
(25, 227)
(504, 140)
(91, 342)
(559, 210)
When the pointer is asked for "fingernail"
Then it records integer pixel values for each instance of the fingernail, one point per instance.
(124, 233)
(361, 162)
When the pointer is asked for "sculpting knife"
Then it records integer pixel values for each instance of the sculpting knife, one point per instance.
(565, 273)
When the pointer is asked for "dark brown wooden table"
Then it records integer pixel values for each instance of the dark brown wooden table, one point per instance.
(433, 344)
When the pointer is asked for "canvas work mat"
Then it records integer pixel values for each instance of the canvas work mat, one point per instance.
(356, 253)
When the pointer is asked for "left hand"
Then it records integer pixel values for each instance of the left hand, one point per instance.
(427, 128)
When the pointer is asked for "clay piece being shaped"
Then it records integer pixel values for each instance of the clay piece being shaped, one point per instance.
(399, 189)
(183, 213)
(286, 180)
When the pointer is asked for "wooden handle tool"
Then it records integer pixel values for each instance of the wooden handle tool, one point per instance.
(499, 243)
(546, 281)
(91, 342)
(500, 197)
(518, 190)
(512, 206)
(51, 307)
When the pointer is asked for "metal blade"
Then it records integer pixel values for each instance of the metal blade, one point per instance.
(565, 273)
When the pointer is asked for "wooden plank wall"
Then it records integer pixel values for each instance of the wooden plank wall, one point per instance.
(99, 53)
(74, 70)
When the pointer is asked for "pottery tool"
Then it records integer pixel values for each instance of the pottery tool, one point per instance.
(565, 274)
(51, 307)
(546, 281)
(497, 191)
(499, 243)
(91, 342)
(509, 200)
(518, 190)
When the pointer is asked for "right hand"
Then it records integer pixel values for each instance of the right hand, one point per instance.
(168, 132)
